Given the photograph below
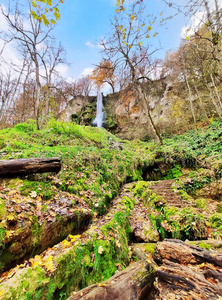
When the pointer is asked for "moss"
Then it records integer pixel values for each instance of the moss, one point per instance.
(219, 208)
(43, 189)
(150, 248)
(205, 246)
(201, 203)
(216, 220)
(91, 261)
(3, 209)
(184, 195)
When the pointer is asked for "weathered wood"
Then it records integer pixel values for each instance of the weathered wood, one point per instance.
(17, 167)
(178, 251)
(135, 282)
(187, 271)
(182, 280)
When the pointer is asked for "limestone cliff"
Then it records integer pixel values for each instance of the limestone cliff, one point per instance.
(124, 114)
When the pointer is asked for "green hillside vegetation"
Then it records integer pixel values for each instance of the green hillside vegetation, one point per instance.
(95, 168)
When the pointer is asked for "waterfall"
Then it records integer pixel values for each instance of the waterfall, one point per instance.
(98, 122)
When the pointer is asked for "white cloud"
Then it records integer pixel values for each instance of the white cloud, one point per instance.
(195, 22)
(70, 80)
(91, 45)
(86, 71)
(198, 19)
(62, 70)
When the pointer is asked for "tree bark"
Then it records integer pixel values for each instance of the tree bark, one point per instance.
(187, 271)
(135, 282)
(191, 102)
(17, 167)
(147, 111)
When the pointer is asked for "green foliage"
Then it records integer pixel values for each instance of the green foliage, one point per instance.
(175, 172)
(129, 203)
(201, 203)
(192, 224)
(216, 220)
(184, 224)
(29, 125)
(43, 189)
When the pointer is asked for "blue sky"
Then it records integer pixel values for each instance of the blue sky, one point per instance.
(84, 22)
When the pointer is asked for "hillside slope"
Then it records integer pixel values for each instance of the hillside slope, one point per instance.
(81, 203)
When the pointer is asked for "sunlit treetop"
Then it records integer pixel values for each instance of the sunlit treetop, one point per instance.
(47, 11)
(132, 27)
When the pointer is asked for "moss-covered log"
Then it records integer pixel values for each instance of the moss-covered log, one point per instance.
(135, 282)
(32, 238)
(18, 167)
(73, 264)
(178, 251)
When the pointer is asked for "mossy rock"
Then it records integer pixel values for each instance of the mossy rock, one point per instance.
(201, 203)
(219, 208)
(150, 248)
(216, 220)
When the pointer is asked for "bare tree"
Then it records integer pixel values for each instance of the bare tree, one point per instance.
(51, 58)
(29, 37)
(84, 85)
(127, 47)
(210, 21)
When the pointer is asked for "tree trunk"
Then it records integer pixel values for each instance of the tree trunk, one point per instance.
(214, 102)
(17, 167)
(216, 91)
(202, 106)
(147, 111)
(187, 271)
(190, 100)
(135, 282)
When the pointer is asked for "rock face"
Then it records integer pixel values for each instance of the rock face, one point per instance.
(125, 115)
(80, 110)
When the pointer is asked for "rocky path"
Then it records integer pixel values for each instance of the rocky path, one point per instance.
(164, 188)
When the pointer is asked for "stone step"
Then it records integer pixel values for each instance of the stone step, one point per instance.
(164, 189)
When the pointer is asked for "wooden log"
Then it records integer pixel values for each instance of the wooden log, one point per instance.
(18, 167)
(178, 251)
(135, 282)
(187, 271)
(187, 283)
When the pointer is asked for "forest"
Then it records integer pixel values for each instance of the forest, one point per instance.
(111, 182)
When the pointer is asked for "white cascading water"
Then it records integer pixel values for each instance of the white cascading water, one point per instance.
(98, 122)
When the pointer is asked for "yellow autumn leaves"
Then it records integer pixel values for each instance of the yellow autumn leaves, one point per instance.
(46, 262)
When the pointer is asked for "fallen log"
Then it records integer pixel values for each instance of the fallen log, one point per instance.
(135, 282)
(183, 280)
(18, 167)
(187, 272)
(178, 251)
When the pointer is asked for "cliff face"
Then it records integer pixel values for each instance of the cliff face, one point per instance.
(80, 110)
(124, 114)
(127, 113)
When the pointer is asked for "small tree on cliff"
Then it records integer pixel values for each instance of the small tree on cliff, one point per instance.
(104, 73)
(127, 46)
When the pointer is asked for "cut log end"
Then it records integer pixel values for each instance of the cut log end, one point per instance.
(22, 167)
